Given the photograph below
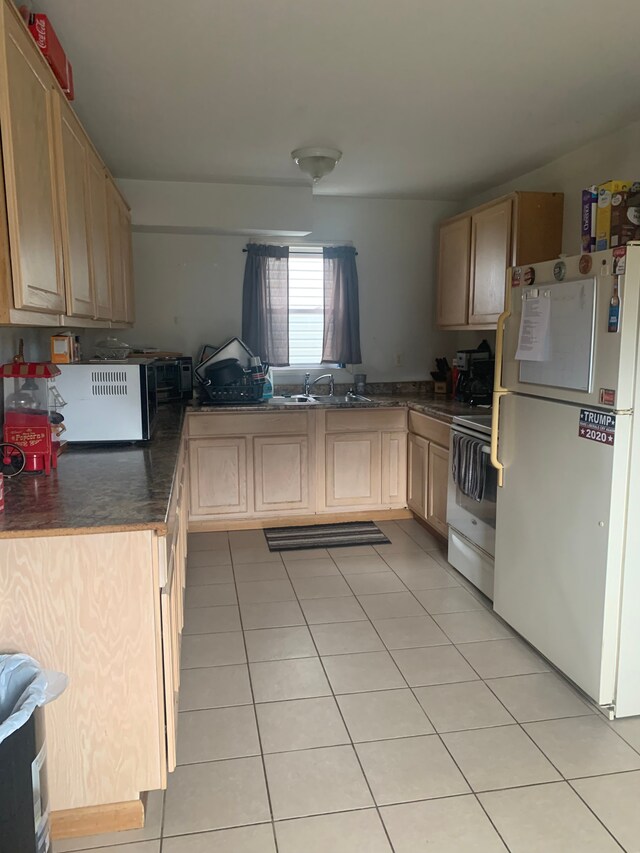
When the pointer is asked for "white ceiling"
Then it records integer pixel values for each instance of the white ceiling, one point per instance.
(426, 98)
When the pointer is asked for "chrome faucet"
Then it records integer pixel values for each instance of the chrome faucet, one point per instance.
(308, 384)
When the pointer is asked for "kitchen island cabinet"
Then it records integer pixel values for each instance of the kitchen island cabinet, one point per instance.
(477, 246)
(92, 585)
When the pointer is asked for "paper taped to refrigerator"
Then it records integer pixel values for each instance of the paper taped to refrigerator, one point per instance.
(534, 338)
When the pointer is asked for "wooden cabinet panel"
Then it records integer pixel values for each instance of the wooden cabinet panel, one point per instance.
(218, 474)
(170, 653)
(430, 428)
(453, 272)
(394, 468)
(438, 481)
(127, 263)
(73, 179)
(281, 473)
(490, 257)
(99, 236)
(29, 164)
(418, 466)
(353, 476)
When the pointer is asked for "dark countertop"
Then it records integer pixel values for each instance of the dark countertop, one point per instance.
(442, 408)
(98, 489)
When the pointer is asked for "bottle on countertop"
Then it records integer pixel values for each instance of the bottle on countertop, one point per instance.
(267, 388)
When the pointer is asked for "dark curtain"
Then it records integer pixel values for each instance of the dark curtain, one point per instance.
(265, 303)
(341, 343)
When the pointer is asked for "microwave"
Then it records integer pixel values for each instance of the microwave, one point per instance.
(109, 401)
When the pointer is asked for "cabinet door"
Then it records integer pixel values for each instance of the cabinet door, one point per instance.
(74, 211)
(438, 481)
(394, 468)
(281, 473)
(218, 476)
(418, 468)
(352, 469)
(29, 166)
(127, 263)
(99, 236)
(490, 257)
(116, 255)
(453, 272)
(171, 629)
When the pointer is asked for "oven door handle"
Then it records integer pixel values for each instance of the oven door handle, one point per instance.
(498, 391)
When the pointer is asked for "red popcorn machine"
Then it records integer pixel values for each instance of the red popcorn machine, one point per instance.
(31, 417)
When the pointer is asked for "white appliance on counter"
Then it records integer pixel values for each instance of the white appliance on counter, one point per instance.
(567, 452)
(109, 401)
(472, 522)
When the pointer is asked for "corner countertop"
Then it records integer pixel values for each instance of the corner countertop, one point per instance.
(97, 489)
(115, 488)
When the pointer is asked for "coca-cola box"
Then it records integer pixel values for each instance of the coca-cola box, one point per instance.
(47, 40)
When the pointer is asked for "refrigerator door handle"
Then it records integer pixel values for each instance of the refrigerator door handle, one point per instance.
(498, 391)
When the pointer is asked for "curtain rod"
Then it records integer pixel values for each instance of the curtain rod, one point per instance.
(302, 245)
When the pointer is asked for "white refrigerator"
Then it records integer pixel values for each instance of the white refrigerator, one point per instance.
(567, 447)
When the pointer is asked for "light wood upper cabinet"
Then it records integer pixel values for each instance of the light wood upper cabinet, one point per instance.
(437, 485)
(120, 256)
(26, 119)
(99, 236)
(490, 257)
(65, 226)
(73, 180)
(453, 272)
(477, 246)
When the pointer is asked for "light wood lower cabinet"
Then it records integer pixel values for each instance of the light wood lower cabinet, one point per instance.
(107, 610)
(218, 469)
(437, 484)
(353, 470)
(281, 473)
(428, 470)
(418, 469)
(275, 465)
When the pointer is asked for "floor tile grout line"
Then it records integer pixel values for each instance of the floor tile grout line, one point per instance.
(255, 717)
(563, 778)
(597, 817)
(444, 745)
(344, 723)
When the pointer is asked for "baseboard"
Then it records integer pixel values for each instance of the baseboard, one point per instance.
(298, 520)
(432, 530)
(95, 820)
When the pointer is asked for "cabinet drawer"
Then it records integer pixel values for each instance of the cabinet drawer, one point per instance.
(278, 423)
(429, 428)
(366, 419)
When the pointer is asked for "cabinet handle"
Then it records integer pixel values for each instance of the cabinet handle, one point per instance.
(498, 391)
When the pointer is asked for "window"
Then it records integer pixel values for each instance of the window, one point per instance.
(306, 306)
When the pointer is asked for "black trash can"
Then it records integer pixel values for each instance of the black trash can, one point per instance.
(24, 798)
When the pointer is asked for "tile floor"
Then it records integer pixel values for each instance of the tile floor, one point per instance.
(365, 699)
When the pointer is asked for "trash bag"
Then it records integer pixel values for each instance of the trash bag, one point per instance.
(24, 799)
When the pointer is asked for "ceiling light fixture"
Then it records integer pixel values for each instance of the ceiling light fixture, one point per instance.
(316, 162)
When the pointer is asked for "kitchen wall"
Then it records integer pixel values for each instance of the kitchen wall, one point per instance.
(189, 285)
(615, 156)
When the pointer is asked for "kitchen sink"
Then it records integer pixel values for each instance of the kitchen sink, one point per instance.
(326, 399)
(340, 398)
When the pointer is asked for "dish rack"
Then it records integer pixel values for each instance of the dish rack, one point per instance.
(250, 392)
